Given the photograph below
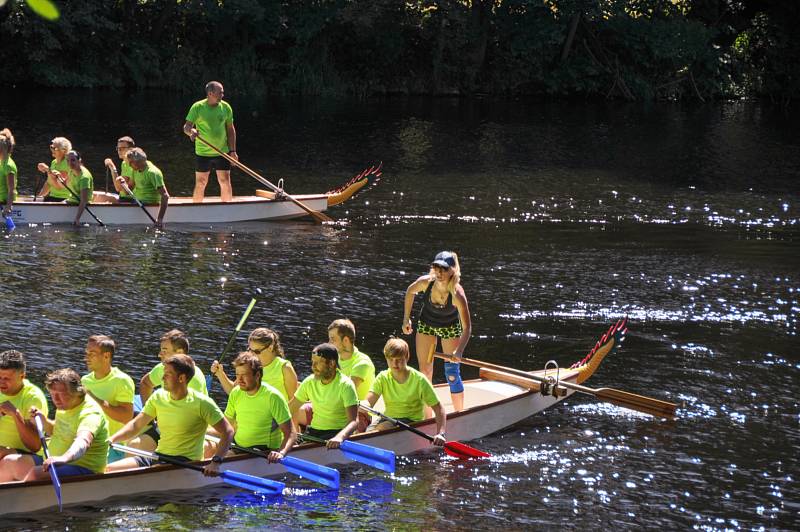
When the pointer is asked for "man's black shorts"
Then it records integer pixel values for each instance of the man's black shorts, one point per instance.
(205, 164)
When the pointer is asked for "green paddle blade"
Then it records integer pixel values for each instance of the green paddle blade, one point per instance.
(327, 476)
(249, 482)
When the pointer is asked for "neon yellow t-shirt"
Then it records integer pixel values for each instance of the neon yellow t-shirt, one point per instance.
(78, 182)
(52, 182)
(405, 400)
(197, 383)
(7, 166)
(30, 395)
(272, 374)
(146, 184)
(116, 388)
(86, 417)
(361, 366)
(182, 422)
(329, 401)
(257, 416)
(126, 170)
(211, 123)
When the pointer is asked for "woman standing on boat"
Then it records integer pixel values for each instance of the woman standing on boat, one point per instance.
(52, 189)
(444, 315)
(8, 171)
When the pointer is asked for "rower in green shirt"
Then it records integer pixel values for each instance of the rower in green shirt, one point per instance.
(258, 412)
(183, 417)
(79, 441)
(352, 362)
(53, 189)
(124, 145)
(173, 342)
(148, 183)
(108, 385)
(405, 391)
(79, 184)
(333, 398)
(18, 434)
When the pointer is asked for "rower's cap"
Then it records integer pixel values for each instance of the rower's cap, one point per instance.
(444, 259)
(327, 351)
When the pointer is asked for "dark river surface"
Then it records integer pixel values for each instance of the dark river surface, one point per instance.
(566, 217)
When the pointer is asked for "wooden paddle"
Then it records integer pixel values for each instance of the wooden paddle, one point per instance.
(316, 215)
(64, 182)
(640, 403)
(52, 468)
(366, 454)
(209, 380)
(234, 478)
(453, 448)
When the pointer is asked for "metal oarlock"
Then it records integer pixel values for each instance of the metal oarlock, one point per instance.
(551, 385)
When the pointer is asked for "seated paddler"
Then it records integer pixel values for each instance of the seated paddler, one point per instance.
(258, 412)
(183, 416)
(405, 391)
(332, 396)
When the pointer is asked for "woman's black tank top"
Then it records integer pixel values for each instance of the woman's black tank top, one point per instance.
(435, 315)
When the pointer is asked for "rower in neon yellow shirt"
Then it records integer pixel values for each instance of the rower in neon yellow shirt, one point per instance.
(17, 396)
(352, 362)
(405, 391)
(79, 442)
(124, 145)
(53, 190)
(183, 415)
(332, 395)
(79, 184)
(258, 412)
(112, 388)
(173, 342)
(276, 370)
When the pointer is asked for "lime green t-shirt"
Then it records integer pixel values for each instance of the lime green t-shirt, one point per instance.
(211, 123)
(359, 365)
(197, 383)
(272, 374)
(7, 166)
(329, 401)
(53, 183)
(126, 170)
(146, 184)
(257, 416)
(405, 400)
(182, 422)
(116, 388)
(78, 182)
(86, 417)
(30, 395)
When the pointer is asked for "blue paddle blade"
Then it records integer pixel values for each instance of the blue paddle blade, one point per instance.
(9, 223)
(56, 485)
(249, 482)
(209, 382)
(137, 403)
(327, 476)
(373, 456)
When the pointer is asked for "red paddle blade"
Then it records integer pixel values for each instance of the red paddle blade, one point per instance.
(460, 450)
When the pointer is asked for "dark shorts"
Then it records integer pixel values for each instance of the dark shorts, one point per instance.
(51, 199)
(126, 199)
(153, 432)
(322, 434)
(205, 164)
(143, 461)
(66, 470)
(445, 333)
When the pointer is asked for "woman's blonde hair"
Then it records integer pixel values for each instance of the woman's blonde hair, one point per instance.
(7, 142)
(267, 337)
(455, 279)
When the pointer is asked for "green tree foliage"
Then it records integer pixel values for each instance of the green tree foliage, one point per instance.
(630, 49)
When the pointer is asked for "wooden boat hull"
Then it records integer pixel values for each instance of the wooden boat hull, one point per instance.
(490, 406)
(181, 210)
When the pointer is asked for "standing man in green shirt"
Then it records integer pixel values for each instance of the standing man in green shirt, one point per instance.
(79, 434)
(258, 411)
(18, 434)
(352, 362)
(183, 417)
(333, 398)
(108, 385)
(212, 119)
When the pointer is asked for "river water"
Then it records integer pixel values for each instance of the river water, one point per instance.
(566, 217)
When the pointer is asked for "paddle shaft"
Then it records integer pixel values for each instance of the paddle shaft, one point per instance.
(316, 215)
(52, 469)
(139, 203)
(232, 338)
(648, 405)
(398, 422)
(64, 182)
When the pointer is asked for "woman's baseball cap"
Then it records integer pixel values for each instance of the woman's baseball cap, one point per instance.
(444, 259)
